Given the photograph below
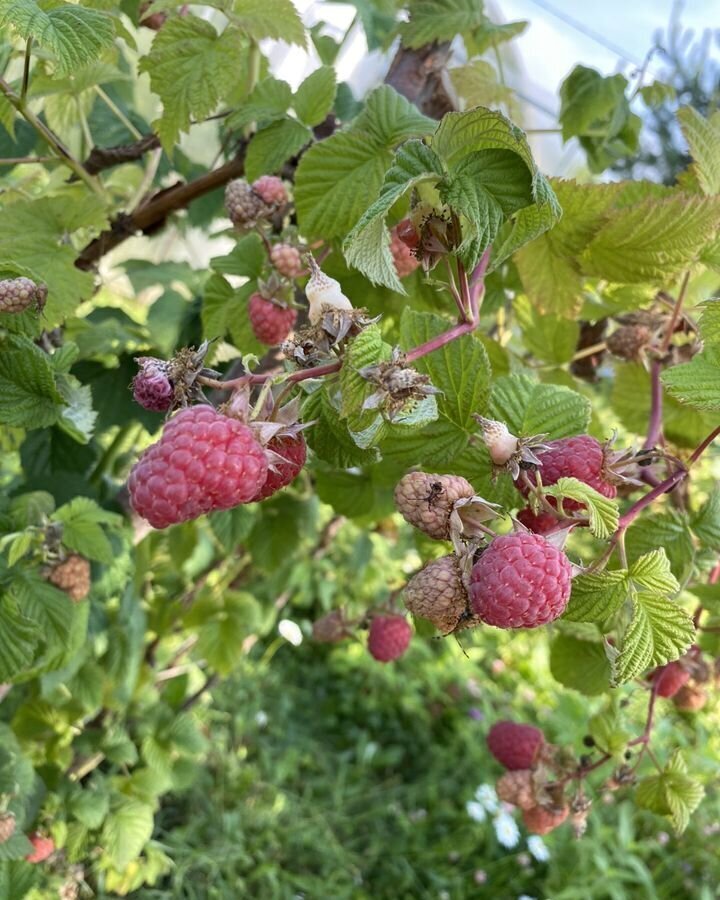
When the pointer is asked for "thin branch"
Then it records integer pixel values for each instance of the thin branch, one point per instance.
(656, 407)
(120, 115)
(675, 313)
(26, 70)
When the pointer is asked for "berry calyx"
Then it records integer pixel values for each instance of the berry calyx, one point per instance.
(543, 820)
(668, 679)
(287, 260)
(203, 461)
(405, 262)
(520, 581)
(271, 190)
(289, 454)
(72, 576)
(7, 826)
(389, 637)
(19, 294)
(515, 746)
(507, 452)
(438, 593)
(42, 848)
(517, 787)
(271, 322)
(152, 387)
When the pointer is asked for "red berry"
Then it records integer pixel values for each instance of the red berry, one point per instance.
(271, 190)
(520, 581)
(203, 461)
(389, 637)
(293, 450)
(408, 233)
(667, 680)
(581, 457)
(287, 260)
(44, 846)
(540, 820)
(540, 523)
(515, 746)
(405, 262)
(271, 323)
(152, 388)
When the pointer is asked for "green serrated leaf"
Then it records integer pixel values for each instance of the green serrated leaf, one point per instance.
(703, 137)
(696, 383)
(652, 573)
(315, 97)
(19, 637)
(74, 34)
(221, 636)
(77, 417)
(596, 598)
(528, 407)
(478, 85)
(706, 522)
(272, 146)
(603, 513)
(579, 664)
(191, 68)
(277, 19)
(82, 520)
(440, 20)
(270, 100)
(548, 337)
(28, 395)
(367, 349)
(672, 793)
(126, 830)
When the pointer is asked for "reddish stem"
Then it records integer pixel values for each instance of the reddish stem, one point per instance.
(656, 407)
(440, 340)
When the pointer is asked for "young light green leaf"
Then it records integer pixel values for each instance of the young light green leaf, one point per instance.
(652, 240)
(709, 322)
(270, 147)
(548, 337)
(270, 100)
(603, 513)
(703, 137)
(75, 34)
(696, 383)
(77, 417)
(651, 572)
(478, 85)
(126, 830)
(672, 793)
(367, 349)
(440, 20)
(705, 524)
(597, 597)
(82, 520)
(28, 395)
(260, 19)
(314, 99)
(191, 68)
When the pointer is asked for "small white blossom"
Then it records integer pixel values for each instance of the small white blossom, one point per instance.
(261, 718)
(290, 631)
(476, 811)
(537, 847)
(525, 897)
(486, 795)
(506, 830)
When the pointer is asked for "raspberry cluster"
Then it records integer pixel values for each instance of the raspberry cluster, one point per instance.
(19, 294)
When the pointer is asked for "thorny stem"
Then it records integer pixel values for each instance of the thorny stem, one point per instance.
(454, 291)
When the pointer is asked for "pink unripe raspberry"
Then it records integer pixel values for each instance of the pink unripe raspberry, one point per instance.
(271, 190)
(271, 323)
(437, 593)
(427, 501)
(540, 820)
(203, 461)
(517, 787)
(19, 294)
(520, 581)
(581, 457)
(515, 746)
(389, 637)
(287, 260)
(151, 387)
(690, 698)
(293, 451)
(408, 233)
(42, 848)
(405, 262)
(667, 680)
(540, 523)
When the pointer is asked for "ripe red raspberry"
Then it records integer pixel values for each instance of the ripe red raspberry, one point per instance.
(540, 523)
(520, 581)
(287, 260)
(581, 457)
(405, 262)
(330, 628)
(152, 388)
(540, 820)
(515, 746)
(44, 846)
(271, 190)
(408, 233)
(667, 680)
(293, 451)
(437, 593)
(7, 826)
(690, 698)
(203, 461)
(271, 322)
(389, 637)
(427, 501)
(154, 21)
(517, 787)
(19, 294)
(72, 576)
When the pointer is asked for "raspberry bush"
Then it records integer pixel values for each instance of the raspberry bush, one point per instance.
(365, 377)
